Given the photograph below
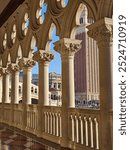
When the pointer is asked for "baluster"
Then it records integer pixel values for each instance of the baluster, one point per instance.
(81, 129)
(72, 127)
(86, 130)
(36, 119)
(45, 121)
(60, 125)
(77, 129)
(53, 124)
(48, 124)
(33, 114)
(30, 125)
(33, 121)
(27, 118)
(57, 125)
(97, 136)
(31, 117)
(91, 131)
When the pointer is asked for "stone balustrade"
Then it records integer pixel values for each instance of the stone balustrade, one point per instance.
(83, 124)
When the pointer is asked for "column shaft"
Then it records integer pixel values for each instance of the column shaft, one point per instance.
(68, 94)
(27, 85)
(6, 88)
(43, 83)
(15, 87)
(1, 88)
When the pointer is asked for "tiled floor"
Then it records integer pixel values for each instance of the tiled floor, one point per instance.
(10, 140)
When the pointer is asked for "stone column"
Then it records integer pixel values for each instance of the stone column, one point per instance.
(67, 48)
(43, 58)
(101, 31)
(14, 85)
(26, 64)
(5, 85)
(14, 69)
(1, 87)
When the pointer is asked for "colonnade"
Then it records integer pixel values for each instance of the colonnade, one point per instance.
(101, 31)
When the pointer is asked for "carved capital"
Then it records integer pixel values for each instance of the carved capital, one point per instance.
(101, 31)
(4, 71)
(26, 62)
(68, 46)
(43, 56)
(1, 71)
(13, 67)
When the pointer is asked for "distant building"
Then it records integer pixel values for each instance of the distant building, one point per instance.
(55, 92)
(86, 64)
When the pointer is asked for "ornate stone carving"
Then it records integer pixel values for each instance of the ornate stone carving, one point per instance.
(68, 46)
(43, 55)
(13, 34)
(26, 62)
(25, 24)
(4, 71)
(101, 31)
(13, 67)
(39, 13)
(5, 41)
(1, 71)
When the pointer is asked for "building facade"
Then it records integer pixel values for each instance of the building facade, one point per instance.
(86, 64)
(55, 91)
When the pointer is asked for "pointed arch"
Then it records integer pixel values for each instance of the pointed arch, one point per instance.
(52, 30)
(19, 52)
(8, 58)
(0, 61)
(81, 19)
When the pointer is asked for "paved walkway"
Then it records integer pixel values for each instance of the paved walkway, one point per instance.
(12, 140)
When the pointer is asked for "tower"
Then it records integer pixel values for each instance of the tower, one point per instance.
(86, 63)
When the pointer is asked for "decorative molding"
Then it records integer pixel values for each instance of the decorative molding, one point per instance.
(13, 67)
(26, 62)
(43, 56)
(4, 71)
(101, 31)
(67, 46)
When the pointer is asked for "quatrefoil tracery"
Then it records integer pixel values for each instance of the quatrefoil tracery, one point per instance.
(5, 41)
(13, 34)
(25, 24)
(41, 11)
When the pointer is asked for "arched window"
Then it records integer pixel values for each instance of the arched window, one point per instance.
(59, 85)
(54, 85)
(35, 91)
(32, 89)
(20, 91)
(51, 96)
(54, 97)
(81, 20)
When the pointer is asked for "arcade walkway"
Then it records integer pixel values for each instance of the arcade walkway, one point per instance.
(12, 140)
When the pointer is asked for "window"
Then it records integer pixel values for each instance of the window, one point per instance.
(81, 20)
(59, 85)
(35, 91)
(20, 90)
(32, 89)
